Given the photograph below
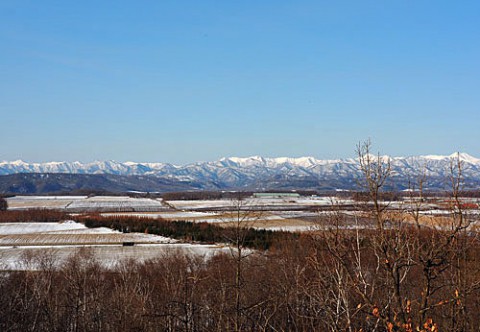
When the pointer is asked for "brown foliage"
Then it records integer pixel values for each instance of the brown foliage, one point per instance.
(32, 215)
(314, 283)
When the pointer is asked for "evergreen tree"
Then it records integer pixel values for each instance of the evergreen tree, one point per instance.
(3, 204)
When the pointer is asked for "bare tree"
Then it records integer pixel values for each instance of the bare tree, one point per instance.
(375, 172)
(393, 248)
(244, 217)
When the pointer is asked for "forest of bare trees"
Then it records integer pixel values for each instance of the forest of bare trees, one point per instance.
(403, 274)
(404, 280)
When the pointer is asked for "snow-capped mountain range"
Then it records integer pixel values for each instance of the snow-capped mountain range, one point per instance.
(262, 172)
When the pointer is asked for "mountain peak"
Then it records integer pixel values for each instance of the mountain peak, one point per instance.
(245, 160)
(465, 157)
(18, 162)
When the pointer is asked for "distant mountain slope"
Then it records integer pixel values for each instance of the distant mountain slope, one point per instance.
(45, 183)
(254, 172)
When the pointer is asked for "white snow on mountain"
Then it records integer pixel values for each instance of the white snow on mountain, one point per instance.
(242, 171)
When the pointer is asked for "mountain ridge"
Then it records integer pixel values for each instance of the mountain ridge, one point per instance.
(258, 172)
(241, 161)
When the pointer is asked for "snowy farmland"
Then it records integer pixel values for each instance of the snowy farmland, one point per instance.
(276, 212)
(60, 240)
(287, 213)
(21, 241)
(210, 211)
(268, 203)
(69, 233)
(261, 220)
(41, 202)
(31, 258)
(117, 204)
(80, 204)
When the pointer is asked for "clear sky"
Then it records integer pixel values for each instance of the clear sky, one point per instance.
(182, 81)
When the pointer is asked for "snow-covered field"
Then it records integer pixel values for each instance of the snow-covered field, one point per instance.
(37, 227)
(276, 213)
(60, 240)
(120, 204)
(289, 228)
(87, 204)
(260, 202)
(232, 219)
(449, 212)
(201, 204)
(68, 233)
(41, 202)
(23, 258)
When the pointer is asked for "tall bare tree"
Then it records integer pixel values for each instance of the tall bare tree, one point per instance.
(375, 173)
(244, 217)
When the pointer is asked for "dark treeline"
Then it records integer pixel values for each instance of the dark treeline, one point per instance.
(185, 230)
(402, 280)
(36, 215)
(3, 204)
(203, 195)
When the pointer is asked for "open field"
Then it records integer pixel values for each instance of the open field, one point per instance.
(41, 202)
(210, 211)
(69, 233)
(273, 212)
(79, 204)
(120, 204)
(36, 227)
(75, 238)
(266, 204)
(19, 258)
(19, 241)
(297, 214)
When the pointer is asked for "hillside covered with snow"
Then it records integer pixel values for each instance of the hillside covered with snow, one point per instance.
(265, 173)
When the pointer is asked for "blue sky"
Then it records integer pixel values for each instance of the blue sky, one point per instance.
(182, 81)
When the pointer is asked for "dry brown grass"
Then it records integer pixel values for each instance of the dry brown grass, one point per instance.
(275, 223)
(424, 220)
